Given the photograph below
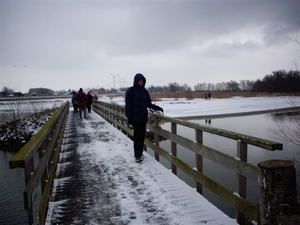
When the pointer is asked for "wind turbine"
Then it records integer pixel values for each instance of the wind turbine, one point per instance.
(122, 82)
(114, 79)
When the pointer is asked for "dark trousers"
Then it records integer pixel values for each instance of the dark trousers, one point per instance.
(138, 138)
(75, 106)
(89, 107)
(82, 110)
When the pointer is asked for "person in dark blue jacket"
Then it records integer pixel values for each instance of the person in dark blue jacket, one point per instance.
(137, 100)
(74, 102)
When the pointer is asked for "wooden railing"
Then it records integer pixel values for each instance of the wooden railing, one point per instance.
(244, 209)
(39, 158)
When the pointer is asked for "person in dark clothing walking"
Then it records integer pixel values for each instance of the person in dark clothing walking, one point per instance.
(137, 100)
(74, 102)
(209, 95)
(89, 102)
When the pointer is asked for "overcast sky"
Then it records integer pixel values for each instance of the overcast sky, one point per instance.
(65, 45)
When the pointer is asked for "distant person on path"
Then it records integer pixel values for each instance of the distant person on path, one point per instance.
(82, 99)
(74, 102)
(96, 97)
(137, 100)
(205, 96)
(209, 95)
(89, 102)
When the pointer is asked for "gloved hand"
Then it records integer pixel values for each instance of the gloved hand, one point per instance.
(161, 109)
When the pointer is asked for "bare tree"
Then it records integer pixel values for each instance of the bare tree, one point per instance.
(291, 134)
(233, 86)
(173, 87)
(295, 38)
(6, 91)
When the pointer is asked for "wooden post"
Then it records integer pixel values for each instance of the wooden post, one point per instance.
(156, 138)
(174, 147)
(199, 159)
(241, 181)
(278, 192)
(29, 168)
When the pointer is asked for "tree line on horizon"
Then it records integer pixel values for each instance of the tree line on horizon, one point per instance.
(278, 81)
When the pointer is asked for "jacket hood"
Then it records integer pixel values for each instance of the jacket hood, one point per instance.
(138, 77)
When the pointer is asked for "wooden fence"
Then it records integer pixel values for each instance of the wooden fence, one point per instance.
(39, 158)
(245, 210)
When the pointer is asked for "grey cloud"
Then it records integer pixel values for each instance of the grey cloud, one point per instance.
(225, 50)
(142, 27)
(158, 26)
(276, 34)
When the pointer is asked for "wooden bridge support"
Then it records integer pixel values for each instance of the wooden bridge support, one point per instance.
(278, 193)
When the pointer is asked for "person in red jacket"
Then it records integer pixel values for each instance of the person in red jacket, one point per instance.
(82, 99)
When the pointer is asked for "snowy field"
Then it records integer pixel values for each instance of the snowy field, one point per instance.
(201, 107)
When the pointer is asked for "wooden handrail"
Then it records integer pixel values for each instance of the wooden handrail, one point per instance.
(115, 115)
(39, 158)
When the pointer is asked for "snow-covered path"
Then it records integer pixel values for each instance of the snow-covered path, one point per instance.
(99, 183)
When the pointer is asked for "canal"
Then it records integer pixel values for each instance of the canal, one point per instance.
(266, 126)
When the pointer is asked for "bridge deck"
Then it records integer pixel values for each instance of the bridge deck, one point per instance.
(98, 182)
